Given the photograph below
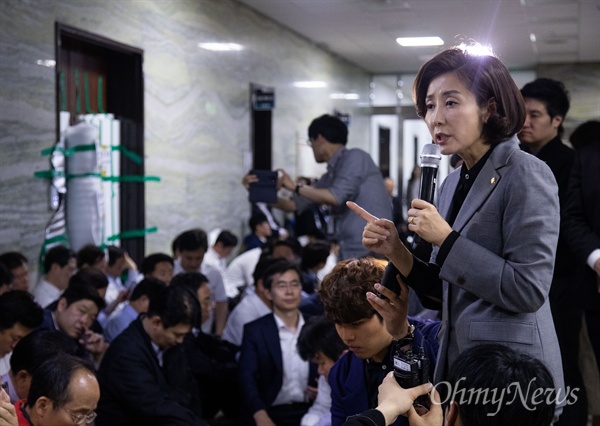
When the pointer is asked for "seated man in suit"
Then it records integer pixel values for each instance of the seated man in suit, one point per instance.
(134, 385)
(273, 376)
(211, 360)
(159, 266)
(261, 232)
(138, 303)
(189, 249)
(357, 374)
(59, 265)
(319, 343)
(74, 314)
(19, 314)
(64, 391)
(31, 351)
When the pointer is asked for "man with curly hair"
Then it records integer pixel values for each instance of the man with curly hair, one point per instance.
(348, 296)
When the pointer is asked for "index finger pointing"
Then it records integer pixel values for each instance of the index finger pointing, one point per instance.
(361, 212)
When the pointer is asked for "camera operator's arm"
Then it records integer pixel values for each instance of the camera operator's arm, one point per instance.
(285, 204)
(316, 195)
(393, 309)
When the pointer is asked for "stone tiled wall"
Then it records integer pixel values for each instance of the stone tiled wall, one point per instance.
(197, 117)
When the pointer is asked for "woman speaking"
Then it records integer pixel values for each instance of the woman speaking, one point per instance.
(495, 230)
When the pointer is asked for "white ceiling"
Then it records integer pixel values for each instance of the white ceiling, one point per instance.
(364, 31)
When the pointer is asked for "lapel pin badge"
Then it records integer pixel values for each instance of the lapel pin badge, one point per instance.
(493, 180)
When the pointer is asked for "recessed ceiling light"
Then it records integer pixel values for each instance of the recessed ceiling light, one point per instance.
(221, 47)
(419, 41)
(310, 84)
(50, 63)
(347, 96)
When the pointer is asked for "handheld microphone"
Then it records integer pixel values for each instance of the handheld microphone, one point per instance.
(430, 161)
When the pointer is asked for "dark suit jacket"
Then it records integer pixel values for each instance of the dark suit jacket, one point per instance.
(582, 219)
(48, 323)
(349, 393)
(559, 158)
(135, 390)
(251, 241)
(261, 364)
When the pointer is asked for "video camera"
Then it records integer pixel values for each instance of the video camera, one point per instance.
(410, 369)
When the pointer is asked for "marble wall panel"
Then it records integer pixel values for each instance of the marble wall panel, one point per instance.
(197, 117)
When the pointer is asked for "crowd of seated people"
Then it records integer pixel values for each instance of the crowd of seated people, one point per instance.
(258, 330)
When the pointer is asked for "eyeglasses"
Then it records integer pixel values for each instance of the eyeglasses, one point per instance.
(294, 285)
(80, 418)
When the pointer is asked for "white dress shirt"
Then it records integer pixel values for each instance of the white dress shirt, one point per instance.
(250, 308)
(240, 271)
(45, 293)
(295, 369)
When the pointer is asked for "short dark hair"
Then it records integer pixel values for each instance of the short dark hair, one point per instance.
(585, 133)
(487, 78)
(491, 366)
(553, 94)
(190, 280)
(175, 305)
(288, 242)
(6, 277)
(150, 262)
(18, 306)
(314, 253)
(256, 219)
(82, 290)
(52, 379)
(89, 254)
(150, 287)
(319, 335)
(39, 345)
(227, 239)
(331, 128)
(90, 275)
(343, 289)
(12, 259)
(59, 255)
(191, 240)
(261, 267)
(281, 266)
(114, 253)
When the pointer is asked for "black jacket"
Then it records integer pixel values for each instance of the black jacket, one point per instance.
(135, 390)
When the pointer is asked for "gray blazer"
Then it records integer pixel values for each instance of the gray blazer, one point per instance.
(497, 276)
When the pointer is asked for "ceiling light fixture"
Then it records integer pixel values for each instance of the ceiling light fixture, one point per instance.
(310, 84)
(346, 96)
(50, 63)
(221, 47)
(419, 41)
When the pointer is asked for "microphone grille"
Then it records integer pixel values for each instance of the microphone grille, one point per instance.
(431, 156)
